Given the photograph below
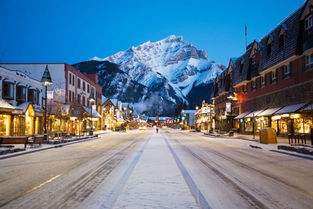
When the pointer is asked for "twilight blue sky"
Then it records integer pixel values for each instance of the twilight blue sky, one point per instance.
(77, 30)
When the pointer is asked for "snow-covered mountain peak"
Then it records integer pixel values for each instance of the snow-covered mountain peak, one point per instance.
(172, 67)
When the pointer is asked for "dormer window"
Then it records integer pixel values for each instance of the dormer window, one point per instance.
(7, 89)
(281, 40)
(269, 49)
(241, 67)
(308, 23)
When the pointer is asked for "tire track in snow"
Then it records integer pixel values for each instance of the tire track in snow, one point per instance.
(253, 201)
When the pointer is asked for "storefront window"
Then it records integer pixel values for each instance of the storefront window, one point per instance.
(283, 126)
(19, 126)
(4, 125)
(302, 125)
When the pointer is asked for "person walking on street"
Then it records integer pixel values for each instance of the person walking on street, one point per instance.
(157, 129)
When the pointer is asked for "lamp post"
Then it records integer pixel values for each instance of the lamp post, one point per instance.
(46, 81)
(91, 100)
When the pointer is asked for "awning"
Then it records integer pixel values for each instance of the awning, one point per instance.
(8, 81)
(242, 115)
(21, 84)
(269, 112)
(290, 109)
(308, 108)
(254, 114)
(33, 88)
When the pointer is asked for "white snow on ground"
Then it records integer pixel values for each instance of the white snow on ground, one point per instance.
(156, 181)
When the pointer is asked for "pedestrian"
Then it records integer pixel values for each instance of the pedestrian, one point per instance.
(157, 130)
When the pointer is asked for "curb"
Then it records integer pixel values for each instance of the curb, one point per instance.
(292, 154)
(47, 148)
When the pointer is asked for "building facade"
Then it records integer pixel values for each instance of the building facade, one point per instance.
(20, 104)
(69, 107)
(273, 80)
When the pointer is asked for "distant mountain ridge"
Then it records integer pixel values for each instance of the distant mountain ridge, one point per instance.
(160, 74)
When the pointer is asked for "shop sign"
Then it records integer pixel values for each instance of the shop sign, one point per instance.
(228, 107)
(50, 94)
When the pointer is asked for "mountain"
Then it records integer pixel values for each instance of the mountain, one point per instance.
(159, 75)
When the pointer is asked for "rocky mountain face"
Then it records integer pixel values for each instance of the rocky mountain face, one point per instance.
(156, 77)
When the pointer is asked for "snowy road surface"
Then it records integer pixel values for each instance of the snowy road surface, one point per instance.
(142, 169)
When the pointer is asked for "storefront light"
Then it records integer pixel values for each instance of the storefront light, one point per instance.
(295, 116)
(73, 118)
(276, 117)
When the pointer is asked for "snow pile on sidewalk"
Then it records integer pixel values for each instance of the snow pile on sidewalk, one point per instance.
(156, 181)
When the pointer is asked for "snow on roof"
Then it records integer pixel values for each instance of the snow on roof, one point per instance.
(104, 99)
(24, 106)
(5, 104)
(94, 112)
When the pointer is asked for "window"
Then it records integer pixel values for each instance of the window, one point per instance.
(253, 85)
(84, 86)
(287, 70)
(269, 49)
(245, 89)
(309, 62)
(281, 40)
(308, 22)
(8, 89)
(73, 80)
(78, 83)
(241, 67)
(88, 88)
(69, 96)
(33, 96)
(73, 96)
(70, 80)
(273, 76)
(262, 81)
(21, 93)
(78, 99)
(84, 99)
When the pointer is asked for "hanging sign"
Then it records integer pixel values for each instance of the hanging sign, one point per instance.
(228, 107)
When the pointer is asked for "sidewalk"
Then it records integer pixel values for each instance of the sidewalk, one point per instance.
(20, 148)
(156, 181)
(282, 146)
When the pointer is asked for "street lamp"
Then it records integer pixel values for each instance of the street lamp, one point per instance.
(46, 81)
(91, 100)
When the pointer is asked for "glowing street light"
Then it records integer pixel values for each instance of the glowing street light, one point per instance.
(46, 81)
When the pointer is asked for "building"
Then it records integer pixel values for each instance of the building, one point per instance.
(20, 104)
(273, 80)
(69, 107)
(225, 105)
(204, 117)
(188, 119)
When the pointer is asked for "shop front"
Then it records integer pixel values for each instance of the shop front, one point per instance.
(240, 119)
(288, 120)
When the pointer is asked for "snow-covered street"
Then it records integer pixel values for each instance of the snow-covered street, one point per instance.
(143, 169)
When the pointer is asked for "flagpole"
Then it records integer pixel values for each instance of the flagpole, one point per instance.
(246, 35)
